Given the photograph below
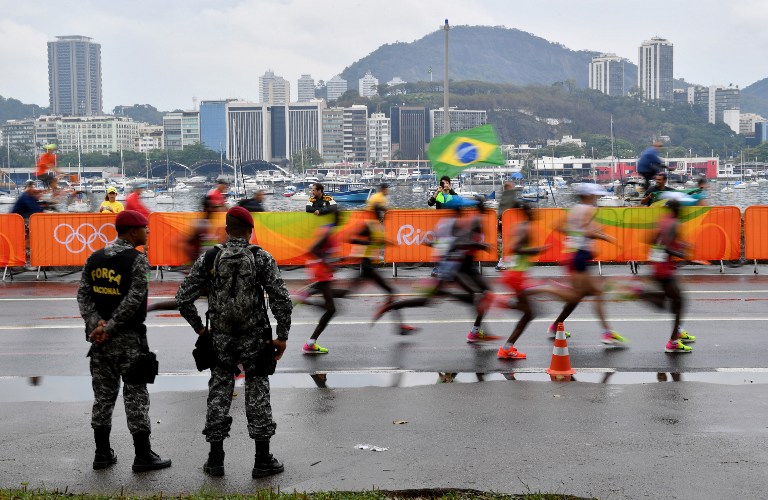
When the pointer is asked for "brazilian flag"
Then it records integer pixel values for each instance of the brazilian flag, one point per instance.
(452, 153)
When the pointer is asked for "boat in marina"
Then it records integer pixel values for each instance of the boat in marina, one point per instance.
(348, 192)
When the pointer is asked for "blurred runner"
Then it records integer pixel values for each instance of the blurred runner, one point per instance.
(325, 252)
(516, 278)
(666, 245)
(581, 230)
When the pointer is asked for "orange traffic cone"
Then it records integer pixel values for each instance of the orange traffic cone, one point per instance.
(560, 368)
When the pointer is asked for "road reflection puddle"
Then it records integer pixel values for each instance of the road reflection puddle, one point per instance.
(78, 388)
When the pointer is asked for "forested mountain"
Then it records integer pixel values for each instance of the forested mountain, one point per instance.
(754, 99)
(13, 109)
(140, 113)
(484, 53)
(535, 113)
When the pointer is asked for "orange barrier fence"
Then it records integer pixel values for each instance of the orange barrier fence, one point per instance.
(756, 233)
(12, 242)
(713, 232)
(286, 235)
(409, 230)
(68, 239)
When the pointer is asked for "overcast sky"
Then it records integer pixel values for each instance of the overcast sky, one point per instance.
(164, 52)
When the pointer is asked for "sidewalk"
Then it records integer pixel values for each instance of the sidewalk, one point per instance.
(666, 440)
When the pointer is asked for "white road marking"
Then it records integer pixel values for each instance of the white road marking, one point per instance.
(362, 295)
(426, 321)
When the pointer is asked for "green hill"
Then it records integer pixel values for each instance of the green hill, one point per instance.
(754, 99)
(13, 109)
(484, 53)
(534, 113)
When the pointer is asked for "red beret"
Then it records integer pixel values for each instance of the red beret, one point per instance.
(130, 218)
(242, 215)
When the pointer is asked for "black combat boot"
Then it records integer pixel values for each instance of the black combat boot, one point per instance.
(266, 464)
(146, 459)
(105, 456)
(214, 466)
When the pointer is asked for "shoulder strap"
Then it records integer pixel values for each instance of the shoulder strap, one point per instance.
(209, 260)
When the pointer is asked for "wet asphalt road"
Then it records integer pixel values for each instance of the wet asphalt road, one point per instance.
(649, 440)
(42, 333)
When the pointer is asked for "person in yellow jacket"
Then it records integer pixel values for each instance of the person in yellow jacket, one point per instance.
(110, 203)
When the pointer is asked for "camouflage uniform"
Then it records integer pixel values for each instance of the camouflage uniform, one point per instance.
(112, 358)
(232, 349)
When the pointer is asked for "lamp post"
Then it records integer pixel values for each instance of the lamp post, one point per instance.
(446, 117)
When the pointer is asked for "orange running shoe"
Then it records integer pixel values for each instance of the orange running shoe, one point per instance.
(512, 353)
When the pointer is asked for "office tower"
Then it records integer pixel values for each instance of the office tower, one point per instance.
(248, 131)
(74, 76)
(410, 130)
(306, 88)
(333, 135)
(356, 133)
(712, 102)
(181, 129)
(606, 74)
(379, 138)
(461, 119)
(213, 124)
(274, 89)
(368, 85)
(654, 70)
(335, 87)
(294, 128)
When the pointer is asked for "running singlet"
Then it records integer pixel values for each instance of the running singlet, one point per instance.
(515, 277)
(576, 229)
(663, 266)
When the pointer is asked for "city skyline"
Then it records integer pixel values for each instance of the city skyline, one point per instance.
(215, 50)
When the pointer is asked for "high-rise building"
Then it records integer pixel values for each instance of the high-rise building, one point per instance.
(303, 128)
(410, 130)
(335, 87)
(711, 102)
(461, 119)
(248, 131)
(368, 85)
(306, 88)
(654, 70)
(333, 135)
(213, 124)
(356, 133)
(74, 76)
(747, 123)
(379, 138)
(721, 99)
(181, 129)
(274, 89)
(606, 74)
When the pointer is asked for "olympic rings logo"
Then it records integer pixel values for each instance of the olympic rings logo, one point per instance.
(77, 240)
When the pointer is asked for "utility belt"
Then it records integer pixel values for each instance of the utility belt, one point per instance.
(264, 362)
(145, 367)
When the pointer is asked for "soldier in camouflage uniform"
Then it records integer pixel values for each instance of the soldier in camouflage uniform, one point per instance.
(236, 340)
(113, 299)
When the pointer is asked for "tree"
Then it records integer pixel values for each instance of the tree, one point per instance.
(306, 158)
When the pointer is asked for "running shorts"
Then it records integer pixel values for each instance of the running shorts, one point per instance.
(580, 261)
